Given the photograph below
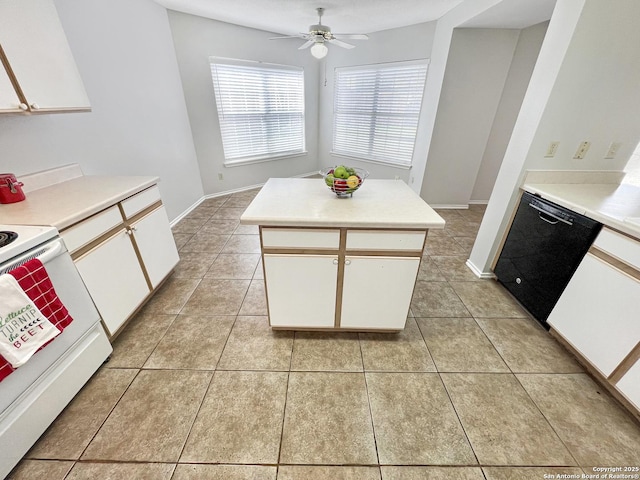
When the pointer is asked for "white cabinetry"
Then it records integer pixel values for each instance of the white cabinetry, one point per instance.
(377, 291)
(629, 384)
(340, 278)
(598, 313)
(9, 101)
(152, 234)
(301, 290)
(114, 279)
(38, 58)
(123, 253)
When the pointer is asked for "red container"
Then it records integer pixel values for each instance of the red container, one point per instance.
(10, 189)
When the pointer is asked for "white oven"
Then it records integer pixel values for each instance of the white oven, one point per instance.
(34, 395)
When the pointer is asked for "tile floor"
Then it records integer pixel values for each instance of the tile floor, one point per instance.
(199, 387)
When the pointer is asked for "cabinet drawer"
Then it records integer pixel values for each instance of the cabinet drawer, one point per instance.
(140, 201)
(92, 228)
(300, 238)
(619, 246)
(385, 240)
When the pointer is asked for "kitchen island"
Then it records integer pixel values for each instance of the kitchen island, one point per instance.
(340, 263)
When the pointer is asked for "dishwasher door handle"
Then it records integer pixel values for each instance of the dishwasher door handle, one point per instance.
(535, 207)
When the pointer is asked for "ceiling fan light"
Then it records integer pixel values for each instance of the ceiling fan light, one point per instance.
(319, 50)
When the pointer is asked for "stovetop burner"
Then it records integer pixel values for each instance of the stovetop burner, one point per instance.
(6, 237)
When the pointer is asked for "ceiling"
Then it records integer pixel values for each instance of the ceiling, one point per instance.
(289, 17)
(513, 14)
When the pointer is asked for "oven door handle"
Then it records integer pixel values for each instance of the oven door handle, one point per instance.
(46, 254)
(51, 252)
(535, 207)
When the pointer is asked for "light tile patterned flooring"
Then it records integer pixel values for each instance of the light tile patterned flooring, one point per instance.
(199, 387)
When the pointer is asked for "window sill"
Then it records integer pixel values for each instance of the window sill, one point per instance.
(270, 158)
(403, 166)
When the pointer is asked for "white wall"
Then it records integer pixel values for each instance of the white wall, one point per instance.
(596, 96)
(435, 80)
(398, 44)
(138, 124)
(584, 87)
(524, 59)
(196, 39)
(477, 68)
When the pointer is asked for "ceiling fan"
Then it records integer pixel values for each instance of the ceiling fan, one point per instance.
(319, 34)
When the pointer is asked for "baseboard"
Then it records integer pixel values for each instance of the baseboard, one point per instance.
(479, 273)
(228, 192)
(478, 202)
(175, 221)
(305, 175)
(446, 206)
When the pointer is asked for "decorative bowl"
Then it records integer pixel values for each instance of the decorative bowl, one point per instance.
(347, 182)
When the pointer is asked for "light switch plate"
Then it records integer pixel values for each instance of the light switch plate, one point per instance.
(582, 150)
(551, 151)
(613, 150)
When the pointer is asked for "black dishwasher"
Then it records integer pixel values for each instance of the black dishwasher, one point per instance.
(544, 246)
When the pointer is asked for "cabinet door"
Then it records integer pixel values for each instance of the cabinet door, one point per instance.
(114, 278)
(157, 247)
(37, 51)
(598, 314)
(301, 290)
(9, 101)
(629, 385)
(377, 291)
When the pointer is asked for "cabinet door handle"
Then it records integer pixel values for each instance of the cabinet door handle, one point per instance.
(335, 261)
(35, 106)
(134, 229)
(129, 231)
(347, 262)
(23, 106)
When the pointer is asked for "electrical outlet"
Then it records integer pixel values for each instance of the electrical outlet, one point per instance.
(613, 150)
(220, 177)
(582, 150)
(397, 177)
(551, 151)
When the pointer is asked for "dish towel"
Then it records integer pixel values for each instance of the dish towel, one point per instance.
(31, 285)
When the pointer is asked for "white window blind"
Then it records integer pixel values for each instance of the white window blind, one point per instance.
(376, 110)
(260, 107)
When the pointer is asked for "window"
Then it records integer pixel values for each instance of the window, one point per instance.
(261, 109)
(376, 110)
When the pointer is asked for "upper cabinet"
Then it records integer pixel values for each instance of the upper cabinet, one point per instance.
(38, 74)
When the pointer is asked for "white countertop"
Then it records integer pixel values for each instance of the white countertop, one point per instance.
(614, 205)
(63, 204)
(309, 202)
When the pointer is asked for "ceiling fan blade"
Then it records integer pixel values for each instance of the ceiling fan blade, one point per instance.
(300, 35)
(307, 44)
(340, 43)
(351, 36)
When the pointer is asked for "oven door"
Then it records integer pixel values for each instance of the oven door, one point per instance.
(34, 395)
(74, 296)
